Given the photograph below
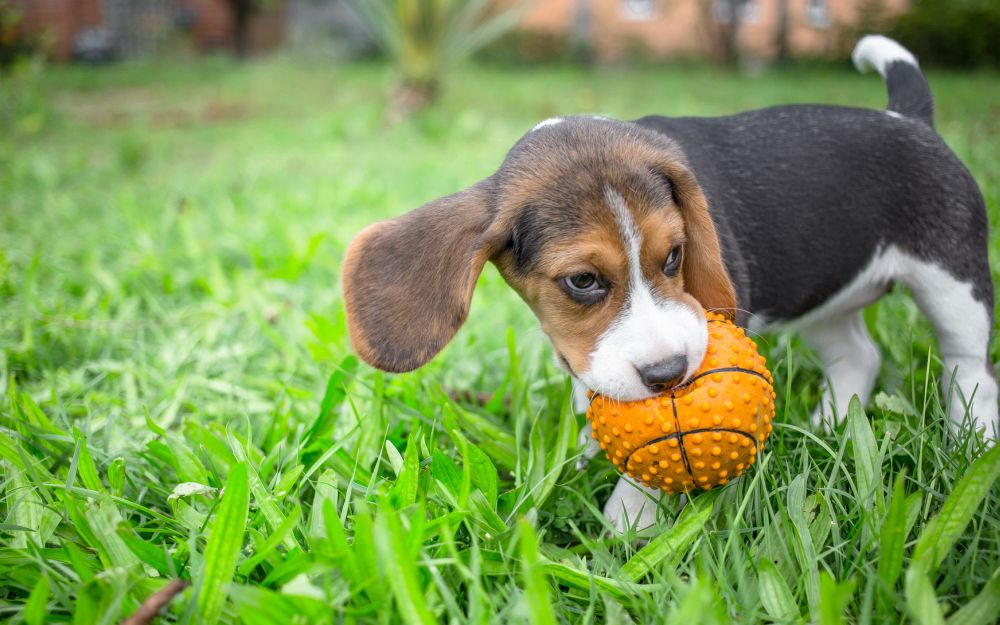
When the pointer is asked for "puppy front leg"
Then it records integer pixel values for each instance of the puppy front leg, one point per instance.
(851, 362)
(632, 505)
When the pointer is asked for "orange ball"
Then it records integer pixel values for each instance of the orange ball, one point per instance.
(700, 434)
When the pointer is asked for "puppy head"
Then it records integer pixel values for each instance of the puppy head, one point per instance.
(597, 224)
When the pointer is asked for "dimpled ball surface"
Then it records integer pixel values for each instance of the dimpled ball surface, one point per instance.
(698, 435)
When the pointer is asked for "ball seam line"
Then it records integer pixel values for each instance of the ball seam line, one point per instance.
(684, 386)
(680, 436)
(681, 440)
(719, 370)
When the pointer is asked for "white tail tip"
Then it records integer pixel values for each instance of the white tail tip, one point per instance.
(877, 52)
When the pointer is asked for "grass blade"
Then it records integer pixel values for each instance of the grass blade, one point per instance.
(336, 385)
(324, 490)
(984, 608)
(867, 465)
(30, 510)
(587, 581)
(270, 544)
(103, 519)
(921, 601)
(536, 587)
(775, 595)
(940, 534)
(670, 546)
(151, 555)
(409, 473)
(35, 608)
(833, 599)
(224, 543)
(893, 536)
(85, 463)
(553, 457)
(866, 455)
(484, 474)
(260, 606)
(400, 568)
(802, 543)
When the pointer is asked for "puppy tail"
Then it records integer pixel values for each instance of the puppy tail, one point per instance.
(909, 93)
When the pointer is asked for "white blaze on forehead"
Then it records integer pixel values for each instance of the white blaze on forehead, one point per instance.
(630, 236)
(647, 330)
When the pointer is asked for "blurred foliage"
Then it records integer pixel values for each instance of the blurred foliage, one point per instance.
(12, 45)
(24, 108)
(963, 33)
(526, 45)
(425, 37)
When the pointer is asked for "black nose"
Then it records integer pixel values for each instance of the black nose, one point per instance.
(664, 374)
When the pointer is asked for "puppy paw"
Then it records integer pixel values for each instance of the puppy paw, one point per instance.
(631, 505)
(823, 417)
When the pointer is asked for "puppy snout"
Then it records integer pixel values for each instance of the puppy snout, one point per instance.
(664, 374)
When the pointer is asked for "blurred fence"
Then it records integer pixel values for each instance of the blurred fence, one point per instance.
(139, 26)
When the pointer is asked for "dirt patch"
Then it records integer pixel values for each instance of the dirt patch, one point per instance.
(124, 107)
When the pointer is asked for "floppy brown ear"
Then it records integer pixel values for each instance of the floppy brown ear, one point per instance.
(408, 281)
(705, 274)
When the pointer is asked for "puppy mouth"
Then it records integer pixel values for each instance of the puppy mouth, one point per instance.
(632, 397)
(637, 394)
(633, 390)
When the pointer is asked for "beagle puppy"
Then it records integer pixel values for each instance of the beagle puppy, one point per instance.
(618, 235)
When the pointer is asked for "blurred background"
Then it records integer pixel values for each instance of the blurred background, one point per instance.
(179, 178)
(423, 36)
(423, 40)
(960, 32)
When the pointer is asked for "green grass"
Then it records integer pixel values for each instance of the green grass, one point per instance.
(171, 324)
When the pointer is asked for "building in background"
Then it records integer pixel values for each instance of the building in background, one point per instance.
(608, 30)
(616, 29)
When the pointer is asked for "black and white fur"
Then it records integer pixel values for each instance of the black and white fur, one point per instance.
(820, 210)
(792, 217)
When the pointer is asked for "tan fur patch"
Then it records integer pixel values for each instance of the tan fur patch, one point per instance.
(541, 217)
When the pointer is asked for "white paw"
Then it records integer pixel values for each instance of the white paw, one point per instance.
(985, 417)
(631, 505)
(823, 418)
(828, 413)
(989, 425)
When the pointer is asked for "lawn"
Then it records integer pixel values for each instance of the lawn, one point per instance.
(171, 325)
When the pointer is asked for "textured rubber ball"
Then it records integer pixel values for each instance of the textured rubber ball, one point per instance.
(700, 434)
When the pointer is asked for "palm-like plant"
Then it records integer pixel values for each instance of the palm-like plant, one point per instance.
(426, 37)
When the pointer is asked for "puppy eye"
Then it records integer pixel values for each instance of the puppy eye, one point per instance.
(583, 282)
(673, 262)
(585, 288)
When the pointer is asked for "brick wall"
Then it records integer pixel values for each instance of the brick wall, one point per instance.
(214, 23)
(57, 21)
